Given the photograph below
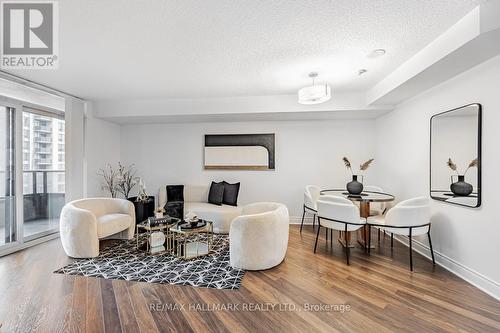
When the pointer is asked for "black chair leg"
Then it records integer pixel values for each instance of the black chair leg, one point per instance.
(430, 245)
(411, 252)
(331, 237)
(378, 235)
(369, 238)
(317, 236)
(303, 216)
(314, 221)
(326, 234)
(346, 246)
(392, 240)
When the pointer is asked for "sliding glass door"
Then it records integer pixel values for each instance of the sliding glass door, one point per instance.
(43, 172)
(7, 175)
(32, 174)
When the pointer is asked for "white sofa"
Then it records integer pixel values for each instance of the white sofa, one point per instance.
(83, 222)
(196, 200)
(259, 238)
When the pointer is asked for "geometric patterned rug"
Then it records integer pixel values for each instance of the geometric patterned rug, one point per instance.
(122, 261)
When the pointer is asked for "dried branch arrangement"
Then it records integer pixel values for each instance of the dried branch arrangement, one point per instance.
(453, 166)
(122, 180)
(126, 179)
(110, 183)
(362, 167)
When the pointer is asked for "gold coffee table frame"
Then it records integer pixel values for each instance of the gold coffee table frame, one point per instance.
(165, 228)
(191, 249)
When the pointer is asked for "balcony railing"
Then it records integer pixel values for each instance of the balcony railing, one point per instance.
(43, 194)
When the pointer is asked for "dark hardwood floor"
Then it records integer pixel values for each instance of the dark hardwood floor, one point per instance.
(381, 294)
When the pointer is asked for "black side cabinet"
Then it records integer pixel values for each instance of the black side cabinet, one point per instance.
(143, 210)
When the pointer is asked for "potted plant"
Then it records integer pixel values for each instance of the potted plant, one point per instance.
(461, 188)
(355, 187)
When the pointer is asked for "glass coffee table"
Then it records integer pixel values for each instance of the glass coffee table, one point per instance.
(192, 240)
(164, 226)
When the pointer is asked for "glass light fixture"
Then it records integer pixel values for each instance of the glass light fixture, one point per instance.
(315, 94)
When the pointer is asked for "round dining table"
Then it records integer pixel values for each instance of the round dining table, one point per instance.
(364, 199)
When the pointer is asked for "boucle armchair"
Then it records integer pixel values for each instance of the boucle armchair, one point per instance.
(258, 239)
(84, 222)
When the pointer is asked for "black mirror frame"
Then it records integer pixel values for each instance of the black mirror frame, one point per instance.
(479, 165)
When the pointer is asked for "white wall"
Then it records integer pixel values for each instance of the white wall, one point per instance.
(306, 153)
(102, 146)
(465, 238)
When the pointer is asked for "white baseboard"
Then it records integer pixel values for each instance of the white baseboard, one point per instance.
(478, 280)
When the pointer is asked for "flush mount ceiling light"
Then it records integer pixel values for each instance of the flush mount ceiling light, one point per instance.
(376, 53)
(315, 94)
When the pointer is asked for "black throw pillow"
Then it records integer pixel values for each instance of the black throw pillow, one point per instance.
(216, 194)
(175, 192)
(231, 193)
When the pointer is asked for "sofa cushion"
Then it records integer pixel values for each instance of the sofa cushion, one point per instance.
(216, 193)
(175, 193)
(231, 193)
(221, 216)
(174, 209)
(111, 224)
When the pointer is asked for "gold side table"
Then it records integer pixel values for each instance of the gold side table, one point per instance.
(192, 242)
(165, 228)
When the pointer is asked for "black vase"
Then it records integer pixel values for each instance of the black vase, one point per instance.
(461, 188)
(354, 187)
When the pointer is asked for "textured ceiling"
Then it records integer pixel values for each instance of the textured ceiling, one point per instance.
(190, 49)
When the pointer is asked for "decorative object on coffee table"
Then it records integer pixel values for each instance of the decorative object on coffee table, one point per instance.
(191, 218)
(355, 187)
(192, 240)
(159, 212)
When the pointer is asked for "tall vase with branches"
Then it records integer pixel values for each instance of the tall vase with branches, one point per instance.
(110, 183)
(126, 179)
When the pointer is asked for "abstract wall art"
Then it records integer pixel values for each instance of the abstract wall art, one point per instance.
(239, 151)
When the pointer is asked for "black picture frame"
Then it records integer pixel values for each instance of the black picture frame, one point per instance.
(479, 158)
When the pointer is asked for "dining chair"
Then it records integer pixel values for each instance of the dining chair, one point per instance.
(340, 214)
(408, 218)
(311, 195)
(376, 208)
